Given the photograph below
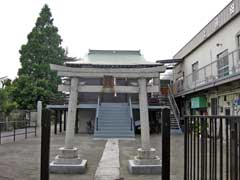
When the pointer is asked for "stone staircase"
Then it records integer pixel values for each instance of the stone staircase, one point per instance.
(114, 121)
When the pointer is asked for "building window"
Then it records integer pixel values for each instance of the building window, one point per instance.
(222, 64)
(195, 71)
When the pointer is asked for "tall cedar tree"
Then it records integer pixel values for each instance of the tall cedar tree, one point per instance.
(36, 81)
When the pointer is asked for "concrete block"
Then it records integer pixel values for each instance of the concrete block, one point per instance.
(143, 168)
(68, 153)
(70, 168)
(59, 160)
(155, 161)
(146, 154)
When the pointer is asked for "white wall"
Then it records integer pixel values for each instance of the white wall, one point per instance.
(203, 54)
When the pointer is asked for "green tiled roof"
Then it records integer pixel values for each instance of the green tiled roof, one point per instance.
(115, 57)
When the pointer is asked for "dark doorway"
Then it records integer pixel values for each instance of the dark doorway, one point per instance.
(214, 103)
(227, 112)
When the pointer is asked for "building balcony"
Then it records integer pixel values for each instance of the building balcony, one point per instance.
(218, 72)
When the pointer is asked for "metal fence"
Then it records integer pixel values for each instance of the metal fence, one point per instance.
(211, 148)
(11, 129)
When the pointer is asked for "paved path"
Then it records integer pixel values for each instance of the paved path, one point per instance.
(109, 166)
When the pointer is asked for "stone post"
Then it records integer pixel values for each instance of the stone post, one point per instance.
(146, 162)
(39, 116)
(68, 161)
(71, 117)
(144, 116)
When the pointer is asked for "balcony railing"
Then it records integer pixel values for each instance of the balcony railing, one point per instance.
(222, 69)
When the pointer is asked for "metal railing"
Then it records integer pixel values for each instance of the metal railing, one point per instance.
(131, 114)
(174, 106)
(97, 112)
(16, 128)
(220, 69)
(211, 147)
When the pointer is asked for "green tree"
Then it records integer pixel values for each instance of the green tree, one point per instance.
(7, 104)
(36, 81)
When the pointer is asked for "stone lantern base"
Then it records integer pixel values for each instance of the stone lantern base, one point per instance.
(68, 162)
(146, 162)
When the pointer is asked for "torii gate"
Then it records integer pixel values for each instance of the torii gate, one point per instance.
(68, 160)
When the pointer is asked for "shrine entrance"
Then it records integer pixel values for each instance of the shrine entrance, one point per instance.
(126, 80)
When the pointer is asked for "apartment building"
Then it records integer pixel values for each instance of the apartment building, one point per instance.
(207, 75)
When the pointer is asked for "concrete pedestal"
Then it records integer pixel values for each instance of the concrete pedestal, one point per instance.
(146, 162)
(68, 162)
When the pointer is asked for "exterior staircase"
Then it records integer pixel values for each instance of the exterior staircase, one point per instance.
(174, 113)
(114, 120)
(174, 125)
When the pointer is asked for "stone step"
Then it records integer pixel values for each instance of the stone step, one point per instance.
(114, 135)
(110, 126)
(112, 119)
(121, 126)
(114, 123)
(114, 126)
(113, 116)
(114, 105)
(113, 129)
(113, 113)
(110, 131)
(116, 115)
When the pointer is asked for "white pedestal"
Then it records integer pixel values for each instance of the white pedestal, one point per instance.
(68, 162)
(145, 163)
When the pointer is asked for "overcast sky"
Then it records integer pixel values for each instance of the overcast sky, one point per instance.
(158, 27)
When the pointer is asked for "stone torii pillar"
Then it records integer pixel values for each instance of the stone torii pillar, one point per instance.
(146, 162)
(144, 119)
(68, 160)
(71, 117)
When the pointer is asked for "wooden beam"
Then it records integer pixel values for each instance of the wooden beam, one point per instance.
(99, 89)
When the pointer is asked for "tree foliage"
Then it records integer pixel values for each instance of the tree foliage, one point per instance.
(7, 103)
(36, 81)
